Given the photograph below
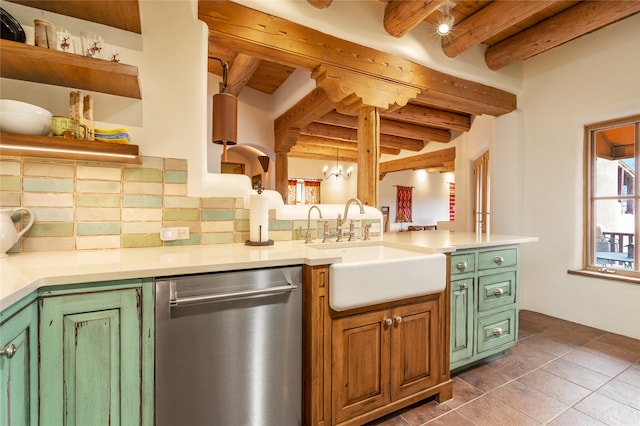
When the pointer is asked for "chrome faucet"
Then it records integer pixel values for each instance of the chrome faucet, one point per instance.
(308, 235)
(346, 208)
(346, 212)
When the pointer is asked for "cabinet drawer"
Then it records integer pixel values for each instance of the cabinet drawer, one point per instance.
(463, 263)
(497, 258)
(496, 290)
(496, 330)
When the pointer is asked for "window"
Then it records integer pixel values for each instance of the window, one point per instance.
(611, 197)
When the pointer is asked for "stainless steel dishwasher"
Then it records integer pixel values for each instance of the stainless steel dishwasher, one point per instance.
(229, 348)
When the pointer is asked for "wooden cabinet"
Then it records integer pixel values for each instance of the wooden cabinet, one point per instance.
(365, 363)
(96, 355)
(19, 367)
(383, 356)
(484, 303)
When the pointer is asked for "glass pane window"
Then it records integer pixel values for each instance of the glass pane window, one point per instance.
(611, 197)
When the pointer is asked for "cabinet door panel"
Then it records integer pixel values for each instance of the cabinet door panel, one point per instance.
(461, 319)
(91, 349)
(414, 343)
(18, 374)
(90, 358)
(360, 358)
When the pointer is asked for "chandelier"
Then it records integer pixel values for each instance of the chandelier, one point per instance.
(337, 172)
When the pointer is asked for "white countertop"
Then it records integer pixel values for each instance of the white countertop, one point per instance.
(22, 273)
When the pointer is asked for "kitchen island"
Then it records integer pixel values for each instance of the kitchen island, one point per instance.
(67, 281)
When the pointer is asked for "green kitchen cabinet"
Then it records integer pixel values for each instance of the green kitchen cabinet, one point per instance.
(484, 303)
(19, 366)
(96, 354)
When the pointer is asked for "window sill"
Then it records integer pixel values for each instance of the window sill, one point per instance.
(604, 276)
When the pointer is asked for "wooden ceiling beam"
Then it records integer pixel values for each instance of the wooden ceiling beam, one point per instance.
(443, 100)
(349, 134)
(310, 140)
(391, 141)
(240, 72)
(411, 113)
(311, 107)
(323, 153)
(432, 117)
(413, 131)
(422, 161)
(401, 16)
(492, 19)
(275, 39)
(582, 18)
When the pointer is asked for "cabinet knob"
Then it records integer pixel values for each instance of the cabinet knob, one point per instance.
(9, 351)
(497, 331)
(463, 286)
(498, 291)
(461, 266)
(498, 260)
(388, 321)
(398, 320)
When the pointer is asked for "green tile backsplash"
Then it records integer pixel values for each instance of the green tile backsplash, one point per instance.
(82, 205)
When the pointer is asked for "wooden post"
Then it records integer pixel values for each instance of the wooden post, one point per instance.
(368, 155)
(282, 174)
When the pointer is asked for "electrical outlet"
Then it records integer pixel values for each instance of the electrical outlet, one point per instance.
(172, 234)
(183, 233)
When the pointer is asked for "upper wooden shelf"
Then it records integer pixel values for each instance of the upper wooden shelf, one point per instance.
(30, 63)
(123, 14)
(47, 146)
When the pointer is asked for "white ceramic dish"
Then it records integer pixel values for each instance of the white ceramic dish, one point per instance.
(23, 118)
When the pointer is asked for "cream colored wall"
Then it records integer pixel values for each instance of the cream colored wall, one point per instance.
(591, 79)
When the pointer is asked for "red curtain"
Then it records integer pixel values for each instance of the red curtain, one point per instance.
(403, 203)
(452, 202)
(291, 191)
(311, 192)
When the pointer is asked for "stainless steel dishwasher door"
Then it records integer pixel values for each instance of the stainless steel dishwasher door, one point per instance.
(229, 349)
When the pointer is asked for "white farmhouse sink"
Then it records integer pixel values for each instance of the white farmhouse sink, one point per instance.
(377, 273)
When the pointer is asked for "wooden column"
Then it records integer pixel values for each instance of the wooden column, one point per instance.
(282, 174)
(368, 155)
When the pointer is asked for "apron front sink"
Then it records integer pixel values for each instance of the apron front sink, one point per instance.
(376, 273)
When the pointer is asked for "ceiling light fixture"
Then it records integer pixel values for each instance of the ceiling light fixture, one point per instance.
(337, 173)
(225, 114)
(445, 24)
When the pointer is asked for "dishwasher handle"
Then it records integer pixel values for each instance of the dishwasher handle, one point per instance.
(174, 301)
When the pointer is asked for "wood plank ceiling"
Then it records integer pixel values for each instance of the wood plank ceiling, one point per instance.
(511, 30)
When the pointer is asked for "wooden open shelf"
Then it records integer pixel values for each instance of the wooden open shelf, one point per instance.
(52, 147)
(30, 63)
(123, 14)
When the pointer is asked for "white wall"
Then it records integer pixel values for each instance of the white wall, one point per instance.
(430, 196)
(591, 79)
(331, 191)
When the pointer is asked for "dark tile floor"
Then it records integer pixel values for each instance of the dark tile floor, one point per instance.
(560, 373)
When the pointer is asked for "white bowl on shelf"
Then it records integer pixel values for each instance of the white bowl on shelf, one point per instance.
(24, 118)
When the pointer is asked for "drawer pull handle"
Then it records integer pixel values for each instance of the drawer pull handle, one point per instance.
(498, 292)
(388, 321)
(498, 259)
(497, 331)
(461, 266)
(463, 286)
(398, 320)
(9, 351)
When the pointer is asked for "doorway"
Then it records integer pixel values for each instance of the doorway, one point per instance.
(481, 202)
